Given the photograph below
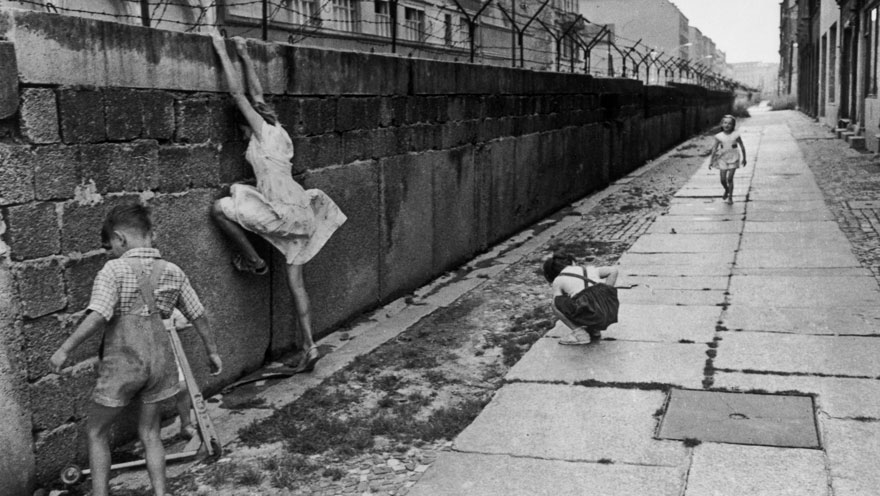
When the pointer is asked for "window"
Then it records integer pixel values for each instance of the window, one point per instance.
(413, 24)
(447, 30)
(303, 12)
(464, 32)
(832, 63)
(344, 16)
(383, 18)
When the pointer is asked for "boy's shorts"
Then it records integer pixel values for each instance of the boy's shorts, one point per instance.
(121, 379)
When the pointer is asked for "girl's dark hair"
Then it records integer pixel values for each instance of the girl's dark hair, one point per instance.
(267, 112)
(554, 265)
(126, 216)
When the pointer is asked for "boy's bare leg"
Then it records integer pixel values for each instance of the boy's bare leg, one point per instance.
(98, 429)
(154, 452)
(301, 302)
(237, 235)
(183, 403)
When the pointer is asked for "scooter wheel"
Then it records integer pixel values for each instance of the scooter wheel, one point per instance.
(71, 475)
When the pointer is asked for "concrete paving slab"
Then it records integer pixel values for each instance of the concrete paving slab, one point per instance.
(663, 323)
(612, 362)
(684, 243)
(655, 296)
(821, 239)
(706, 207)
(814, 215)
(677, 270)
(586, 424)
(797, 257)
(860, 321)
(666, 225)
(853, 356)
(689, 259)
(852, 447)
(802, 272)
(771, 195)
(840, 398)
(740, 418)
(731, 470)
(787, 206)
(659, 282)
(790, 226)
(806, 291)
(714, 191)
(460, 474)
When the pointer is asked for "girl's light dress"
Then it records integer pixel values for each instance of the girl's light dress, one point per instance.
(728, 155)
(296, 221)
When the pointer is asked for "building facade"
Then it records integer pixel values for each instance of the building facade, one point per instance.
(828, 60)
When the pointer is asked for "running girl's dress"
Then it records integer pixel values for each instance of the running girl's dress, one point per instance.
(728, 156)
(296, 221)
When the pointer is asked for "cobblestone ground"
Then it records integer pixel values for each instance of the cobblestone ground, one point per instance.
(850, 181)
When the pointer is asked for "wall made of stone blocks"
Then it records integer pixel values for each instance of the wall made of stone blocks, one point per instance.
(431, 161)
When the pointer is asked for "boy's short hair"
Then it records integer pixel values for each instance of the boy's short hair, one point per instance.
(127, 216)
(554, 264)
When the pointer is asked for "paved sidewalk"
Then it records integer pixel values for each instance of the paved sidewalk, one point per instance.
(763, 296)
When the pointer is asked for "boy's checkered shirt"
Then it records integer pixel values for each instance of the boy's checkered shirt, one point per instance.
(116, 288)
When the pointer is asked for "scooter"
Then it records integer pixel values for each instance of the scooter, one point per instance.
(210, 442)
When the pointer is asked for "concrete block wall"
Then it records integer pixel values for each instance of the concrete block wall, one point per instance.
(431, 161)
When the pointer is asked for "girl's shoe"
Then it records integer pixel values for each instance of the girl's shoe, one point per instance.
(242, 264)
(730, 199)
(307, 364)
(578, 337)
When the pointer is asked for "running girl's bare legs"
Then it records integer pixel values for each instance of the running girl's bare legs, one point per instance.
(729, 174)
(727, 190)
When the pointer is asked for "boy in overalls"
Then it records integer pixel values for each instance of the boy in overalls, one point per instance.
(130, 297)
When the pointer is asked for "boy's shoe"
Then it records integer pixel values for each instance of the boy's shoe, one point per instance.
(578, 337)
(188, 432)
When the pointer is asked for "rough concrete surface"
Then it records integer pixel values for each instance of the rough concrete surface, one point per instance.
(588, 424)
(501, 475)
(731, 470)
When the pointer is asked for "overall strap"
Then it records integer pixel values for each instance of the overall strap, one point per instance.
(147, 284)
(583, 277)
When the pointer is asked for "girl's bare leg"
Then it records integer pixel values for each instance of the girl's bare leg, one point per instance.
(237, 235)
(301, 302)
(723, 177)
(730, 174)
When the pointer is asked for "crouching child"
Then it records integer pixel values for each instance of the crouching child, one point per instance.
(584, 297)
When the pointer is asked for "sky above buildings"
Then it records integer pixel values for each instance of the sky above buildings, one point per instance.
(746, 30)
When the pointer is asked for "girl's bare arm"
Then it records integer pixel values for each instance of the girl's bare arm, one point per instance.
(742, 147)
(255, 89)
(255, 121)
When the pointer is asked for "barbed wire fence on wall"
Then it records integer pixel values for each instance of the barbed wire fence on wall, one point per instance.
(557, 40)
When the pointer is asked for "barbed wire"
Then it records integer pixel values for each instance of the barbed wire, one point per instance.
(433, 28)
